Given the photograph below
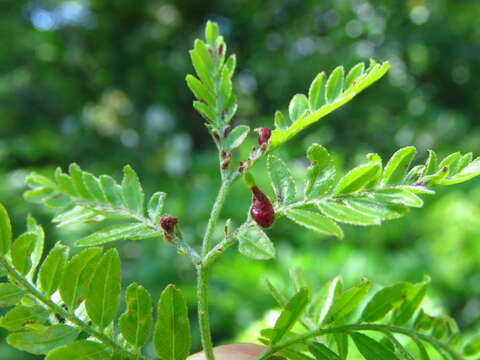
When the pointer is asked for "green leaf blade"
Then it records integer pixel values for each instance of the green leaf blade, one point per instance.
(80, 350)
(136, 323)
(282, 180)
(372, 349)
(103, 299)
(255, 244)
(315, 222)
(5, 231)
(172, 337)
(132, 191)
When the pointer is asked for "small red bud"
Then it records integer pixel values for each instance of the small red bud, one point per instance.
(224, 154)
(168, 223)
(220, 49)
(264, 135)
(225, 164)
(262, 210)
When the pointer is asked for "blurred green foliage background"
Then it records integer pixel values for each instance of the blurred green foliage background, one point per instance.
(101, 83)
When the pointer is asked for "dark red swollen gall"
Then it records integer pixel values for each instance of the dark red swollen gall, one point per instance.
(264, 135)
(168, 223)
(262, 210)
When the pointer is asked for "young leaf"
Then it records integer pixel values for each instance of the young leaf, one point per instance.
(112, 233)
(357, 178)
(22, 249)
(315, 222)
(385, 300)
(373, 74)
(398, 165)
(334, 86)
(103, 299)
(255, 244)
(280, 121)
(52, 269)
(172, 337)
(132, 191)
(345, 214)
(372, 349)
(200, 91)
(236, 137)
(211, 32)
(5, 231)
(20, 316)
(155, 206)
(37, 252)
(137, 320)
(322, 352)
(10, 294)
(469, 172)
(298, 106)
(290, 315)
(81, 350)
(43, 340)
(282, 180)
(316, 92)
(77, 276)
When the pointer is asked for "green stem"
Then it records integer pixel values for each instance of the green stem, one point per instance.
(439, 346)
(203, 271)
(212, 221)
(39, 296)
(203, 317)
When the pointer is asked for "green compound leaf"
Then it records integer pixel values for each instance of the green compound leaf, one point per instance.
(172, 337)
(77, 276)
(282, 181)
(43, 340)
(372, 349)
(373, 73)
(103, 299)
(255, 244)
(136, 323)
(292, 312)
(81, 350)
(132, 191)
(5, 231)
(315, 222)
(10, 294)
(52, 269)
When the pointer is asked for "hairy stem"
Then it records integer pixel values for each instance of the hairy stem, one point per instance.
(438, 345)
(203, 271)
(57, 309)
